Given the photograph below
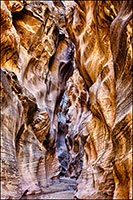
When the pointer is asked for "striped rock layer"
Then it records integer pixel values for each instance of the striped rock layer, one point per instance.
(65, 97)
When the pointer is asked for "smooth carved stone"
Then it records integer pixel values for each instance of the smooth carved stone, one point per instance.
(31, 168)
(10, 41)
(14, 6)
(50, 62)
(103, 57)
(75, 110)
(11, 119)
(40, 63)
(88, 129)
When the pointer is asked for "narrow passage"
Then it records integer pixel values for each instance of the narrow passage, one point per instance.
(61, 189)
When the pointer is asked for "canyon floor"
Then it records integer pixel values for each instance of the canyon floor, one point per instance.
(61, 189)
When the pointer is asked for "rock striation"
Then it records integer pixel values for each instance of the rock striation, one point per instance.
(102, 35)
(66, 97)
(37, 60)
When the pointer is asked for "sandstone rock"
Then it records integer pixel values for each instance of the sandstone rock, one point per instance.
(66, 97)
(76, 112)
(11, 119)
(35, 42)
(102, 56)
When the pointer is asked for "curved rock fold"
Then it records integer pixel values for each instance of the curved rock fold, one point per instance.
(65, 99)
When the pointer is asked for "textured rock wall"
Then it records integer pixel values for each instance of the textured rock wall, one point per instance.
(101, 31)
(75, 110)
(37, 60)
(42, 108)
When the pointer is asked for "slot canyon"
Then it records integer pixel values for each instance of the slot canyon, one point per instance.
(66, 99)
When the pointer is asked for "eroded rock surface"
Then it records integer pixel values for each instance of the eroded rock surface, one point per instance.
(101, 32)
(38, 60)
(66, 97)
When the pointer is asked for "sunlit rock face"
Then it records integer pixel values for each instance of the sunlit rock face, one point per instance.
(101, 31)
(11, 119)
(37, 60)
(66, 97)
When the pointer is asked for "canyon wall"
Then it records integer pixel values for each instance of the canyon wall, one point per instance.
(37, 60)
(66, 97)
(101, 31)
